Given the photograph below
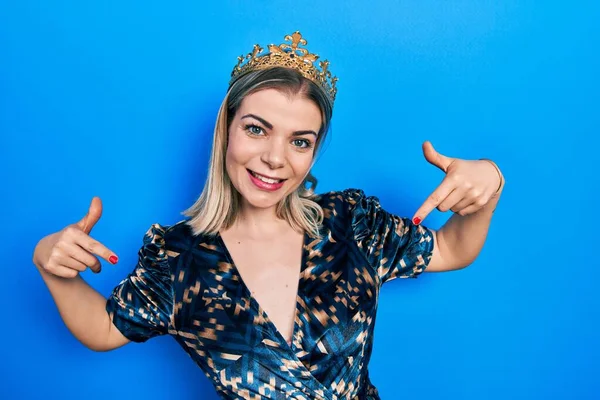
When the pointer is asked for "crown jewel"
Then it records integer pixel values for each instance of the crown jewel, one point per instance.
(289, 56)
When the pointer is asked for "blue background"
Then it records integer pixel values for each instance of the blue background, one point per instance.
(118, 99)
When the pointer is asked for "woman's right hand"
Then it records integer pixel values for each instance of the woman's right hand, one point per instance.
(71, 250)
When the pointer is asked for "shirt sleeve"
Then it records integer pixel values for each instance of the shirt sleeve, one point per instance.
(393, 245)
(141, 305)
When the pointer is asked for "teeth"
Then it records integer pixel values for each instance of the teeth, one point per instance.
(265, 180)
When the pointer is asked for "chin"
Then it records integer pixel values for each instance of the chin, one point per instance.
(260, 203)
(262, 199)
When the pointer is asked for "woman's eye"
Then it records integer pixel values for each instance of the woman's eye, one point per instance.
(302, 143)
(254, 129)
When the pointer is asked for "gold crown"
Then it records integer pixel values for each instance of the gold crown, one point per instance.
(289, 56)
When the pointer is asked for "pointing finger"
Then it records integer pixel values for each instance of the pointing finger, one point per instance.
(95, 247)
(434, 200)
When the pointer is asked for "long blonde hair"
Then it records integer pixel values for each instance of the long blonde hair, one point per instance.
(217, 206)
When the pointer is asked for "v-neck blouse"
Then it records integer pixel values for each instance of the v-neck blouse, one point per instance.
(247, 293)
(186, 285)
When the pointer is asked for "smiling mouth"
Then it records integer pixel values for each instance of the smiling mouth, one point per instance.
(265, 179)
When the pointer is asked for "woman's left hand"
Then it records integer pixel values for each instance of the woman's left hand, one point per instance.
(468, 186)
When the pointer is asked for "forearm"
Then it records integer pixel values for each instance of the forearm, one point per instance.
(462, 237)
(81, 308)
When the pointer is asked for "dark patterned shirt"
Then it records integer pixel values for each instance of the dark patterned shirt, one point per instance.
(187, 286)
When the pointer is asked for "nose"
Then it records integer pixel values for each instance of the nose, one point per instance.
(274, 154)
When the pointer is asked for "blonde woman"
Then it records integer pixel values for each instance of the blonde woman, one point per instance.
(269, 287)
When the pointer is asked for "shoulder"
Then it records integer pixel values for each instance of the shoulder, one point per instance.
(348, 200)
(337, 196)
(348, 209)
(170, 240)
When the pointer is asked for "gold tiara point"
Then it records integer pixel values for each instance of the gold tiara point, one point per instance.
(289, 55)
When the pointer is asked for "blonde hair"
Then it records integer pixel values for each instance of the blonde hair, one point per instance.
(218, 205)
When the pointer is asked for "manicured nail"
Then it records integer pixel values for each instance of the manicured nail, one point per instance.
(416, 220)
(113, 259)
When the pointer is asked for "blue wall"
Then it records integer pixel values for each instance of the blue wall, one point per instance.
(117, 99)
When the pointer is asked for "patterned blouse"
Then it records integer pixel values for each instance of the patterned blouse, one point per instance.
(187, 286)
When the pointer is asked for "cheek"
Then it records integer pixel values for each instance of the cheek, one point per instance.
(235, 149)
(301, 165)
(233, 157)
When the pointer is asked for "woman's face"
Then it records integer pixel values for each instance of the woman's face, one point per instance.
(271, 146)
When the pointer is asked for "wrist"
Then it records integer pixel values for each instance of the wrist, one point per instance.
(501, 184)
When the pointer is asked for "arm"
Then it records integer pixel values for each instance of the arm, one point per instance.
(59, 258)
(471, 189)
(460, 240)
(139, 308)
(83, 310)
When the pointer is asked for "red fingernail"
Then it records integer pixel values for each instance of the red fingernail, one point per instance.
(113, 259)
(416, 220)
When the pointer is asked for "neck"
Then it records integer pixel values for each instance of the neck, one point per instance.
(258, 222)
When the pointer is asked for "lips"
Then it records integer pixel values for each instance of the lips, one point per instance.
(265, 183)
(265, 178)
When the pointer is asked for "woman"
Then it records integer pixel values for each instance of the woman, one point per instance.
(271, 289)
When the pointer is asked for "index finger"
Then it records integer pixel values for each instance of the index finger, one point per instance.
(433, 200)
(93, 246)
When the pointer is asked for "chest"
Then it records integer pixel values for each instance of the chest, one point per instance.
(270, 270)
(328, 307)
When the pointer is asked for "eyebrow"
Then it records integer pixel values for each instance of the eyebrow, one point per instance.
(270, 126)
